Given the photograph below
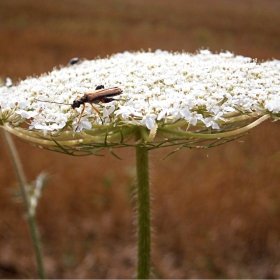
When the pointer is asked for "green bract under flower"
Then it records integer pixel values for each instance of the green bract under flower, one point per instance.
(201, 95)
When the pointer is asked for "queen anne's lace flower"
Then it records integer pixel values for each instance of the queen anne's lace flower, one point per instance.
(161, 90)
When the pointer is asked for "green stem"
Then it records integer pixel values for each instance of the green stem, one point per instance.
(144, 227)
(83, 138)
(216, 134)
(23, 183)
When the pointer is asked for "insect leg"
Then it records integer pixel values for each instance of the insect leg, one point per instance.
(97, 111)
(80, 116)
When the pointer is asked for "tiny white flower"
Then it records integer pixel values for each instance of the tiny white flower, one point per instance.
(149, 121)
(109, 111)
(84, 124)
(22, 104)
(209, 122)
(9, 82)
(191, 117)
(273, 105)
(27, 114)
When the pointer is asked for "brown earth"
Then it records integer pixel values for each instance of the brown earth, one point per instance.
(216, 213)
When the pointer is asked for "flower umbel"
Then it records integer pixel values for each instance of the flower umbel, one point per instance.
(169, 97)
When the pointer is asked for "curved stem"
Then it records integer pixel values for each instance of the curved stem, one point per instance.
(31, 218)
(215, 135)
(81, 138)
(144, 227)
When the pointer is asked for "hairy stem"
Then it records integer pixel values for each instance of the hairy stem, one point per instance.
(144, 226)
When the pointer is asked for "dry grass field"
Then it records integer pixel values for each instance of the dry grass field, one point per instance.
(216, 213)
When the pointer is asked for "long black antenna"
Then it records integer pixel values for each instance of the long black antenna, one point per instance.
(52, 102)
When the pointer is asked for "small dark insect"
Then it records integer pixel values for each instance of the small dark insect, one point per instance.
(99, 87)
(74, 60)
(100, 94)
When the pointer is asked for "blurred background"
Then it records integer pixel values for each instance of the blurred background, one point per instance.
(216, 213)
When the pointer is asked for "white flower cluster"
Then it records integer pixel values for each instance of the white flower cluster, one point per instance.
(158, 87)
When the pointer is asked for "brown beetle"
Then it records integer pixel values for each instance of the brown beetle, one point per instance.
(100, 94)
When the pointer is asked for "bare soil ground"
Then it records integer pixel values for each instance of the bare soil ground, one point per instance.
(216, 213)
